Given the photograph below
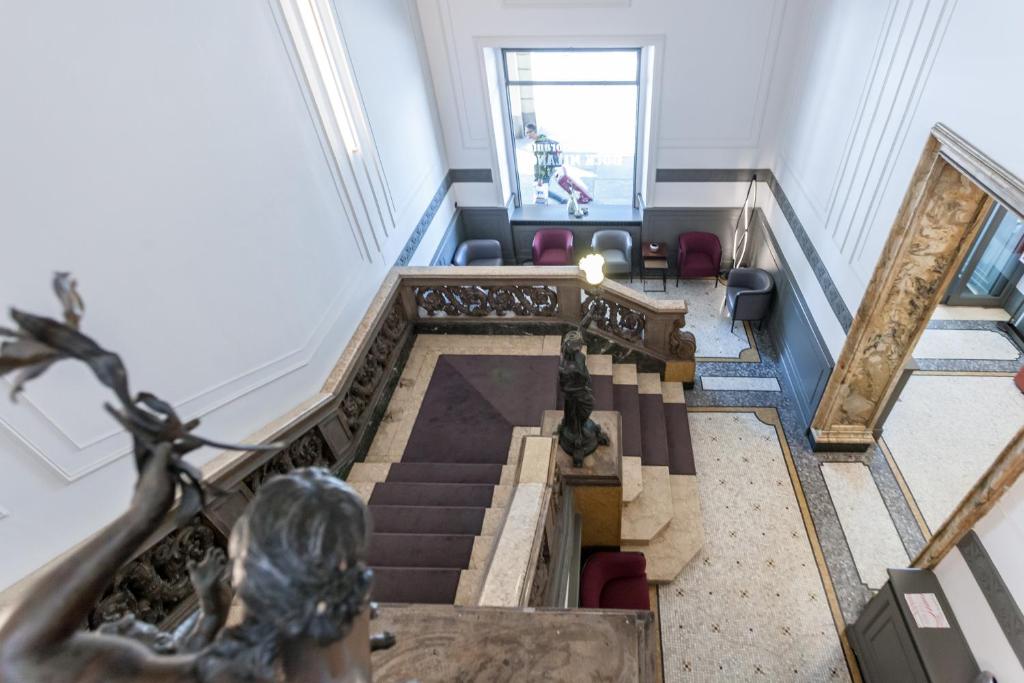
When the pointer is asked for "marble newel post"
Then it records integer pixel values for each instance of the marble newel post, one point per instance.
(938, 220)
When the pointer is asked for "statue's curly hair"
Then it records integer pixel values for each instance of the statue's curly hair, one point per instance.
(572, 342)
(302, 544)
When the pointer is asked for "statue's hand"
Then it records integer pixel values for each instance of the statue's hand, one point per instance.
(207, 573)
(129, 626)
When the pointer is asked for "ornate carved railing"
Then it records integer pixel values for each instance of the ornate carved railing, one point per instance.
(550, 296)
(332, 428)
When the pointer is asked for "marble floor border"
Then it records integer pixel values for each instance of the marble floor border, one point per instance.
(852, 593)
(747, 355)
(770, 416)
(964, 365)
(907, 493)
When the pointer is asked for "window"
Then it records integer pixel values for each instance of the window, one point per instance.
(573, 122)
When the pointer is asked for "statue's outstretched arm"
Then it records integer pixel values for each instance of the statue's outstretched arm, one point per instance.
(55, 607)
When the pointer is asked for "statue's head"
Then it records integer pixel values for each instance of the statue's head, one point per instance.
(572, 343)
(298, 555)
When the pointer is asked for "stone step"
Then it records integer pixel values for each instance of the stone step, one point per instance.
(652, 420)
(626, 400)
(440, 551)
(373, 472)
(632, 478)
(445, 473)
(428, 585)
(600, 365)
(650, 512)
(412, 519)
(624, 373)
(680, 541)
(471, 582)
(443, 495)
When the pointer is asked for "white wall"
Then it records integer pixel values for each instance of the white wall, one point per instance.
(715, 67)
(1002, 533)
(166, 153)
(871, 80)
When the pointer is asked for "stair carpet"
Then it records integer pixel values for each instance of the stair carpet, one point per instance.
(434, 524)
(661, 511)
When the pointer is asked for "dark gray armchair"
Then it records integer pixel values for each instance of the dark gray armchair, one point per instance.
(617, 248)
(748, 293)
(478, 253)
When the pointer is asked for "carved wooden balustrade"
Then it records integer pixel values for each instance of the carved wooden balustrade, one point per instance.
(334, 427)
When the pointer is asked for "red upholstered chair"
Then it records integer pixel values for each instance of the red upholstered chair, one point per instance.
(552, 247)
(615, 581)
(700, 255)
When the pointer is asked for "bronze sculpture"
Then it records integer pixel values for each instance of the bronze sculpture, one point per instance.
(297, 557)
(578, 435)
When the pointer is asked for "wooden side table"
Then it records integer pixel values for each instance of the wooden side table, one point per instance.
(655, 260)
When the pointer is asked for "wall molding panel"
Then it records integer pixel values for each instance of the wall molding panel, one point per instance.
(751, 137)
(471, 138)
(41, 434)
(821, 272)
(367, 204)
(908, 41)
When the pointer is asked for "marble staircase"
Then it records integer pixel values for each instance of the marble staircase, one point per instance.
(661, 514)
(437, 523)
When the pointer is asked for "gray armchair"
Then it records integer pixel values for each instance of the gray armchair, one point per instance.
(478, 253)
(748, 293)
(617, 248)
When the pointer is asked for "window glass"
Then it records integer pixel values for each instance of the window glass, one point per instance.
(575, 65)
(574, 136)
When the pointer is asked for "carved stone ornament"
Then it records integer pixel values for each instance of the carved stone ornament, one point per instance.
(481, 301)
(681, 343)
(154, 584)
(357, 399)
(616, 319)
(309, 450)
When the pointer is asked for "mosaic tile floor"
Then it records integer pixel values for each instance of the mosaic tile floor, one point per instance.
(753, 603)
(707, 319)
(965, 345)
(872, 538)
(944, 432)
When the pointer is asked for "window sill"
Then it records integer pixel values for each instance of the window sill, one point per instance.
(557, 214)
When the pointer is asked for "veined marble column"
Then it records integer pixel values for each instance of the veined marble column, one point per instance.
(937, 222)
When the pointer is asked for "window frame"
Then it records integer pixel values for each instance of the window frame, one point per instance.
(508, 83)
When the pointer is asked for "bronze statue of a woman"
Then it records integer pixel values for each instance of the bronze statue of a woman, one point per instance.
(297, 558)
(578, 435)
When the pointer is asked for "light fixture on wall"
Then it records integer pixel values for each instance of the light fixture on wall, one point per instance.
(592, 266)
(741, 234)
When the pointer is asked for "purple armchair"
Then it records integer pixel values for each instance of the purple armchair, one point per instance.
(615, 580)
(552, 247)
(700, 255)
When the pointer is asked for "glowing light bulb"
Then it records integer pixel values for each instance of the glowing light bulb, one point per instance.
(592, 266)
